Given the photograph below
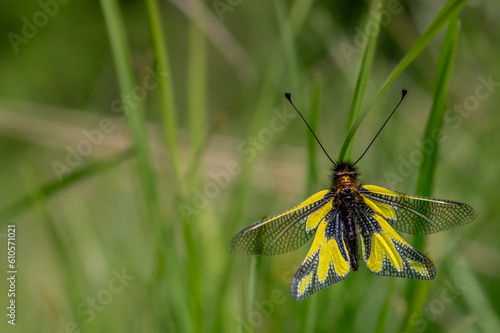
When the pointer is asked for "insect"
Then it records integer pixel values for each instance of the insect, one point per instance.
(344, 216)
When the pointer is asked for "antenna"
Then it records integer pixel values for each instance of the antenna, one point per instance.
(403, 92)
(289, 97)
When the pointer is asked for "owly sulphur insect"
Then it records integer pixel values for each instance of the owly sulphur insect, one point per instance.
(344, 216)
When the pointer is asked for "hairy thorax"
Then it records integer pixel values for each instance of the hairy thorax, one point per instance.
(344, 183)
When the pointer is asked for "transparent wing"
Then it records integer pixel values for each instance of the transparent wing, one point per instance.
(387, 254)
(416, 215)
(284, 232)
(327, 261)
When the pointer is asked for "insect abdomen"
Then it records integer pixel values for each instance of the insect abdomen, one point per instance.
(351, 239)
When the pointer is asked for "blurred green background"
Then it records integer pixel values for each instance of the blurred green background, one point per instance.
(138, 137)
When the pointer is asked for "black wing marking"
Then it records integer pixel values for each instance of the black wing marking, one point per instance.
(388, 254)
(327, 261)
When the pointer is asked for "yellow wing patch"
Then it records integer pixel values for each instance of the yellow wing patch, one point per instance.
(380, 208)
(318, 216)
(330, 256)
(382, 246)
(323, 266)
(304, 283)
(419, 267)
(388, 254)
(284, 232)
(315, 197)
(315, 218)
(381, 190)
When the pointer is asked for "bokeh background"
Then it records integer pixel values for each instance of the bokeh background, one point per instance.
(138, 136)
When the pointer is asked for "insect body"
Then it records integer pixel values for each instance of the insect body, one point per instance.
(347, 198)
(345, 216)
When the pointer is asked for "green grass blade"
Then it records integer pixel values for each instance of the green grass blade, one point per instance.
(311, 314)
(197, 80)
(436, 117)
(476, 297)
(68, 262)
(126, 81)
(386, 306)
(286, 32)
(167, 99)
(252, 286)
(264, 103)
(189, 178)
(417, 290)
(166, 253)
(450, 9)
(312, 177)
(362, 80)
(24, 203)
(191, 289)
(197, 93)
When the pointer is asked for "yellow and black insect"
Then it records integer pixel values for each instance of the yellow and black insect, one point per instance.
(344, 216)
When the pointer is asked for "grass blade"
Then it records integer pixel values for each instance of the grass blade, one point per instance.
(286, 32)
(312, 177)
(362, 80)
(66, 258)
(476, 297)
(19, 206)
(384, 311)
(449, 10)
(417, 290)
(166, 254)
(126, 81)
(436, 117)
(197, 80)
(167, 99)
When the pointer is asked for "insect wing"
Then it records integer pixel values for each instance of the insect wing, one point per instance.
(284, 232)
(416, 215)
(327, 261)
(388, 254)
